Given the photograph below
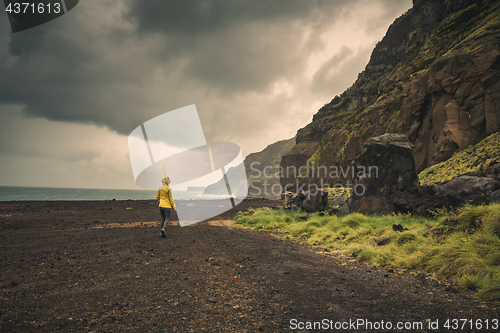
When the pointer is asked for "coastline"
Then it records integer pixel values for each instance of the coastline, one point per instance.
(87, 213)
(25, 193)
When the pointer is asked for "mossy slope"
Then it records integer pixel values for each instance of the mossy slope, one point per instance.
(475, 158)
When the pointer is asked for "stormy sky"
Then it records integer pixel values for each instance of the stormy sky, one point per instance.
(72, 90)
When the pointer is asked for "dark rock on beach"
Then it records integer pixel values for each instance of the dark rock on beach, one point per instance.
(311, 201)
(315, 201)
(422, 200)
(392, 155)
(473, 190)
(495, 197)
(341, 203)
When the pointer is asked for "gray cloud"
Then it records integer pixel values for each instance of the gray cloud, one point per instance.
(68, 70)
(186, 18)
(234, 46)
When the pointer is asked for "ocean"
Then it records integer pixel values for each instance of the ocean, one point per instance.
(14, 193)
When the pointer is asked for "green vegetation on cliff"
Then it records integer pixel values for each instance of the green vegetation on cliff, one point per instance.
(463, 246)
(475, 158)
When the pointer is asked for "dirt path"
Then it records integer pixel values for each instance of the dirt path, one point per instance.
(85, 275)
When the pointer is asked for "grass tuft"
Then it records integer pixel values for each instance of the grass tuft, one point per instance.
(470, 282)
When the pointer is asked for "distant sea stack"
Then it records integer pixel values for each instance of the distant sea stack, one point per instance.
(434, 77)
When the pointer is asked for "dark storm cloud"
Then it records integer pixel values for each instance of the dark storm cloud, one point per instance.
(122, 68)
(26, 44)
(65, 70)
(205, 16)
(59, 72)
(234, 46)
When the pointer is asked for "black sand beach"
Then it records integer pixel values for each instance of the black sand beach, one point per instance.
(101, 267)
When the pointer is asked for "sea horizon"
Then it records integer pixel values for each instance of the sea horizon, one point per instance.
(33, 193)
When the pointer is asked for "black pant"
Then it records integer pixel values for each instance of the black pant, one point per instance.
(165, 217)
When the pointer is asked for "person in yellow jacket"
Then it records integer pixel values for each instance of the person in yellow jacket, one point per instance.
(166, 204)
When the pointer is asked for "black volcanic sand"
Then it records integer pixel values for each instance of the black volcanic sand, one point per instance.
(100, 267)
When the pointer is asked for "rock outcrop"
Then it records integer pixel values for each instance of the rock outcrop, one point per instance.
(384, 169)
(396, 188)
(339, 205)
(473, 190)
(495, 197)
(311, 201)
(423, 200)
(434, 78)
(315, 201)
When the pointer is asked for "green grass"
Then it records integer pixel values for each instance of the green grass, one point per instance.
(462, 245)
(292, 152)
(484, 154)
(333, 193)
(316, 158)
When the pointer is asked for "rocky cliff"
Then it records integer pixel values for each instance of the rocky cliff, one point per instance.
(261, 170)
(434, 77)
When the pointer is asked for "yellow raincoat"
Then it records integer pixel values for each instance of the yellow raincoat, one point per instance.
(164, 195)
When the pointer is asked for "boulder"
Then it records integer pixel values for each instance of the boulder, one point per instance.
(297, 199)
(341, 203)
(422, 200)
(495, 197)
(338, 201)
(473, 190)
(311, 201)
(398, 227)
(344, 209)
(383, 170)
(315, 201)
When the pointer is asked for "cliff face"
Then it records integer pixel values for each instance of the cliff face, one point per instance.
(434, 77)
(258, 167)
